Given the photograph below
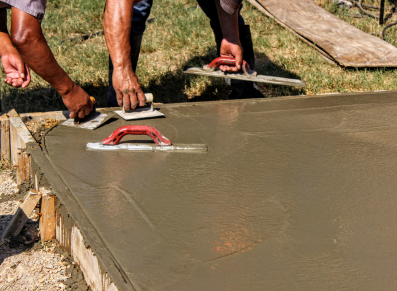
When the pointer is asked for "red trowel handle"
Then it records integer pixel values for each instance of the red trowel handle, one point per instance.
(157, 137)
(229, 62)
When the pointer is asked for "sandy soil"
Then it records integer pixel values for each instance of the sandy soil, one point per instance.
(26, 263)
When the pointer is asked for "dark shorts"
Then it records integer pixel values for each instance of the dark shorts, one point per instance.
(35, 8)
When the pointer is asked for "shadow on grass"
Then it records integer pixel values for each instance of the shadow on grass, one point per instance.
(46, 98)
(170, 87)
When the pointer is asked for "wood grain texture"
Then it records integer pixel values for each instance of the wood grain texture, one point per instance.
(5, 140)
(342, 42)
(21, 215)
(24, 167)
(48, 218)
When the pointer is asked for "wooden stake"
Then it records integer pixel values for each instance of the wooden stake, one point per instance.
(5, 139)
(23, 169)
(21, 216)
(48, 218)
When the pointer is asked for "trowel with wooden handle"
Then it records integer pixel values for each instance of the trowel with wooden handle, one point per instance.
(246, 75)
(91, 121)
(141, 112)
(161, 143)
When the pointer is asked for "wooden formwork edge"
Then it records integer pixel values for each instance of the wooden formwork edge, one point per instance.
(15, 138)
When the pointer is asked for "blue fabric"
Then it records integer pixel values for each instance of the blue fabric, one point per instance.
(141, 14)
(209, 8)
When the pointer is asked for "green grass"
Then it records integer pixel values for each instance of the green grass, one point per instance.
(179, 36)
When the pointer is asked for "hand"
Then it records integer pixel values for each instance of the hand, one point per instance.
(17, 73)
(78, 102)
(234, 50)
(128, 91)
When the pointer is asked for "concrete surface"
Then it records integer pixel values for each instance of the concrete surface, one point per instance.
(293, 194)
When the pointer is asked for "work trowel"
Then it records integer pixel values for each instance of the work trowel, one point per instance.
(160, 143)
(91, 121)
(144, 112)
(245, 75)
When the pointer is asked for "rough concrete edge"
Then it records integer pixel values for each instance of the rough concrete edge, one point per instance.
(69, 237)
(110, 270)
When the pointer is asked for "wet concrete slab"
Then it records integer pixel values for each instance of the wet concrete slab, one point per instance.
(293, 194)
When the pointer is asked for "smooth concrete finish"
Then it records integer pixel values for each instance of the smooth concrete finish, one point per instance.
(293, 194)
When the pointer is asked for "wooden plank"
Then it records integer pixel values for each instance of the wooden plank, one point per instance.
(5, 135)
(89, 264)
(5, 140)
(21, 215)
(23, 169)
(347, 45)
(48, 218)
(322, 52)
(19, 138)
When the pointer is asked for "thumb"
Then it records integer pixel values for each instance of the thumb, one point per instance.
(239, 60)
(20, 66)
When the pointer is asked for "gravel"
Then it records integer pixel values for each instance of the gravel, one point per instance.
(25, 262)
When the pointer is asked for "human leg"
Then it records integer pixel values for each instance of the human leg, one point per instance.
(240, 89)
(141, 14)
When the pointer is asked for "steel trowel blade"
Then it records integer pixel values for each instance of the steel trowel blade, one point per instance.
(91, 121)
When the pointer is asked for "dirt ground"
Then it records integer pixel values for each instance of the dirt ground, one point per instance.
(26, 263)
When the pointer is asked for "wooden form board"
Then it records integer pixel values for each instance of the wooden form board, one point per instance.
(47, 219)
(15, 139)
(331, 36)
(5, 135)
(20, 136)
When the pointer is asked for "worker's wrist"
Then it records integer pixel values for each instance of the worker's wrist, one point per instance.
(6, 44)
(231, 36)
(123, 67)
(65, 87)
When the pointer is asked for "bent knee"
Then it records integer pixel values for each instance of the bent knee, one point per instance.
(25, 36)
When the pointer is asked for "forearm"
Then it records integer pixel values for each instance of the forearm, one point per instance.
(34, 50)
(229, 24)
(117, 27)
(5, 40)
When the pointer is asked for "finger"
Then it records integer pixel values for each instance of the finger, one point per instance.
(81, 114)
(91, 105)
(72, 114)
(239, 60)
(126, 102)
(16, 83)
(21, 69)
(27, 79)
(13, 75)
(225, 68)
(133, 99)
(119, 97)
(141, 98)
(87, 110)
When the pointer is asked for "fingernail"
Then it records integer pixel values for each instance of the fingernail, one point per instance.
(22, 75)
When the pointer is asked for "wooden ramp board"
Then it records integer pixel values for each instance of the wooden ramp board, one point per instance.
(334, 38)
